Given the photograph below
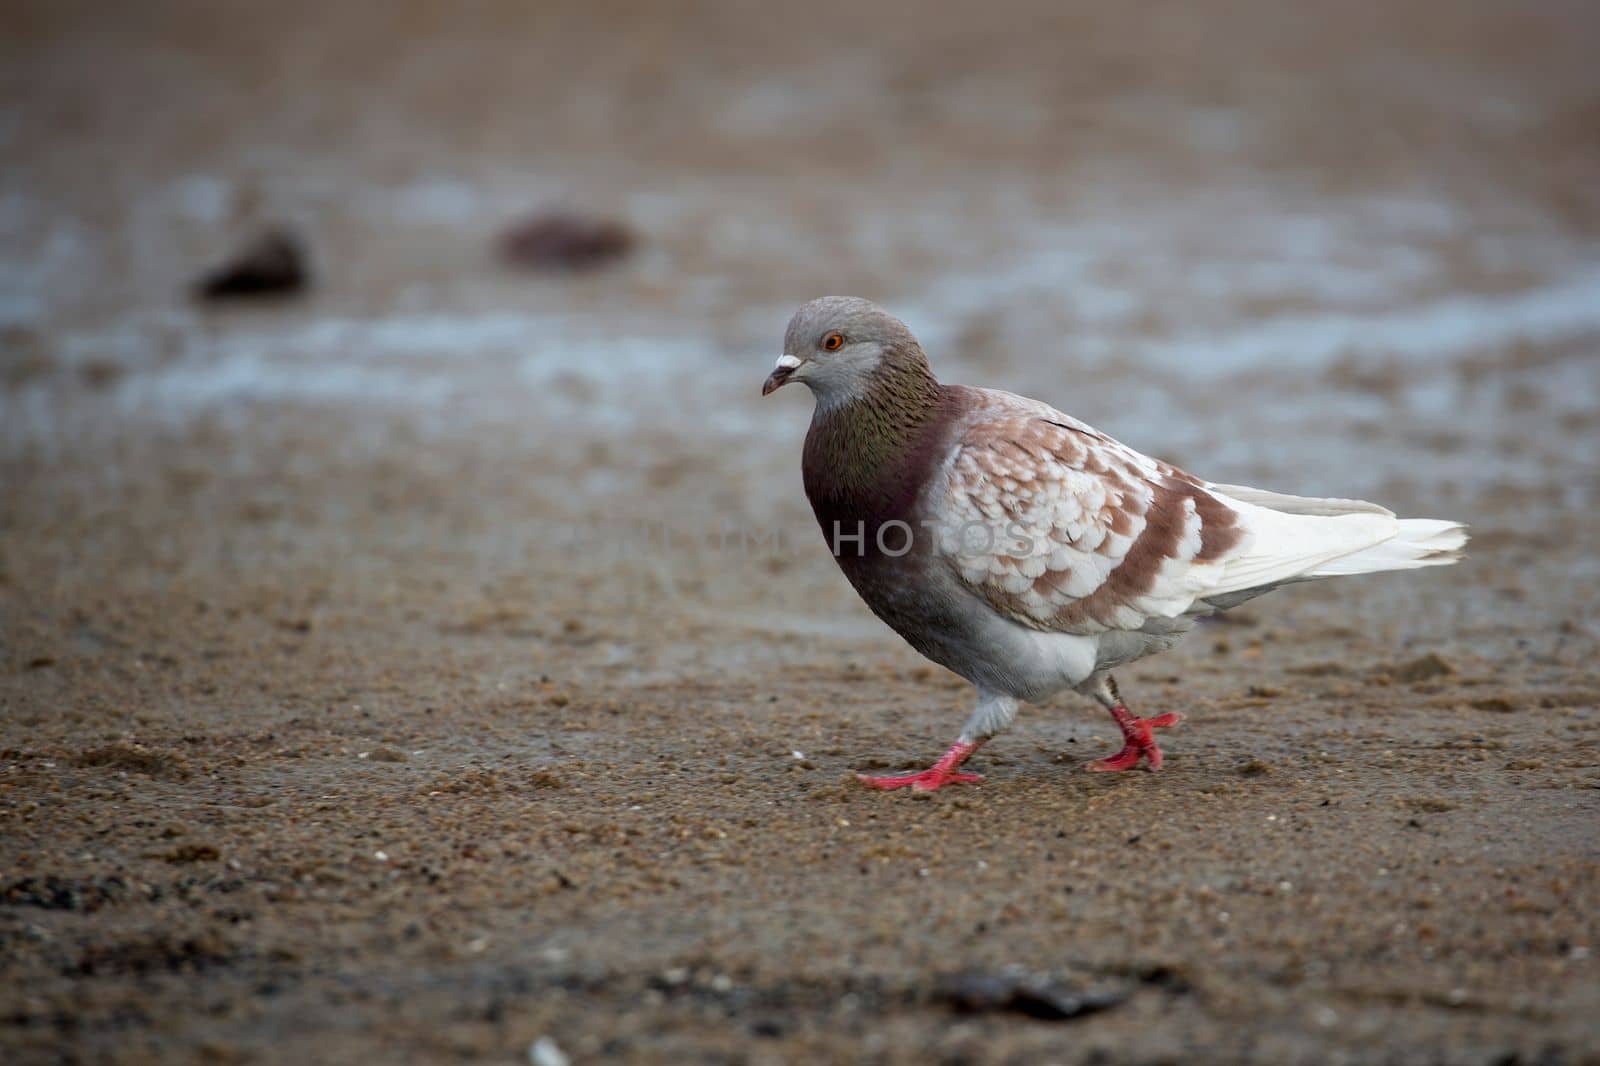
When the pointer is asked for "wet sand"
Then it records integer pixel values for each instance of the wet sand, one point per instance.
(446, 659)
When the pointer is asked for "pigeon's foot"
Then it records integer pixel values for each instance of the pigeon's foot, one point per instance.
(928, 780)
(1139, 741)
(938, 775)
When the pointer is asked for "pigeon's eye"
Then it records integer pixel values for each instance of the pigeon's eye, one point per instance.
(833, 342)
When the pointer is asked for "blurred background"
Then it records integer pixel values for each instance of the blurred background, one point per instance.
(1346, 217)
(1343, 252)
(546, 253)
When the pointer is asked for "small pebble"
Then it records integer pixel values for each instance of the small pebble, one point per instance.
(557, 242)
(546, 1052)
(271, 265)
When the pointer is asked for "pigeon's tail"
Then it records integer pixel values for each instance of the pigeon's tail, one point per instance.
(1298, 538)
(1419, 542)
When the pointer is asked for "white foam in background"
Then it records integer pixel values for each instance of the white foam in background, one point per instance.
(1167, 288)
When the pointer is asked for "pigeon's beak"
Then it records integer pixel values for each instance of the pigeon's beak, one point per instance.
(780, 374)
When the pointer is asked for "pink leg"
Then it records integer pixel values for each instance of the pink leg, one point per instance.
(936, 776)
(1139, 741)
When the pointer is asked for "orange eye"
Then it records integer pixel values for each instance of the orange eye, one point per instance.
(833, 342)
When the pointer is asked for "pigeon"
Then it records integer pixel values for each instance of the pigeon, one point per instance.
(1030, 553)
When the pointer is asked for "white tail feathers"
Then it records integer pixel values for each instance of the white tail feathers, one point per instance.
(1299, 538)
(1419, 542)
(1287, 504)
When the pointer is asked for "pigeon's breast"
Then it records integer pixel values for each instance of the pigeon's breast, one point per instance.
(920, 599)
(880, 514)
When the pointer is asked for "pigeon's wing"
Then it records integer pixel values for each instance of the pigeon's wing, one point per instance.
(1063, 529)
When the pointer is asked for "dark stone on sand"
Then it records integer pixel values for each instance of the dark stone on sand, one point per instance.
(556, 242)
(1425, 668)
(134, 757)
(981, 993)
(272, 266)
(63, 893)
(159, 953)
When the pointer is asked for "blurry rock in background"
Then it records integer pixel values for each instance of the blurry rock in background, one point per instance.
(561, 242)
(271, 266)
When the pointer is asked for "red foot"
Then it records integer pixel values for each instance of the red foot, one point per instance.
(934, 777)
(1139, 741)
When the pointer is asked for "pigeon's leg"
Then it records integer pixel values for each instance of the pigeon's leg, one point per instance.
(1138, 736)
(993, 713)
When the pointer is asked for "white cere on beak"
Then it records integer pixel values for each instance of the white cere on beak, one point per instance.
(788, 362)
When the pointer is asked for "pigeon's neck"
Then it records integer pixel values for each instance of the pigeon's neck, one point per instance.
(868, 458)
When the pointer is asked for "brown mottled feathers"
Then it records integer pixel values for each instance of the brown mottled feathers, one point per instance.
(1063, 529)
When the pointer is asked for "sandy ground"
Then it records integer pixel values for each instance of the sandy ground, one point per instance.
(446, 660)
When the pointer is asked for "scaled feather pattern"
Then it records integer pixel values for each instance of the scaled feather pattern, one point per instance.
(1086, 535)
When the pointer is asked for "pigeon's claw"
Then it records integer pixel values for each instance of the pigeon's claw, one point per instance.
(935, 777)
(1139, 741)
(927, 780)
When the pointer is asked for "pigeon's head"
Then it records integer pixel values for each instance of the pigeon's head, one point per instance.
(838, 345)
